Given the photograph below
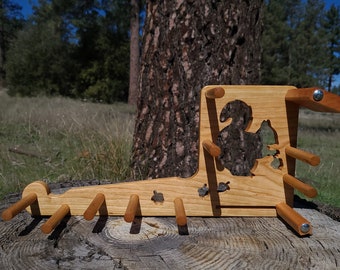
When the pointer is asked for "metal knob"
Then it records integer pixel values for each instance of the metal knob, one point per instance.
(305, 227)
(318, 95)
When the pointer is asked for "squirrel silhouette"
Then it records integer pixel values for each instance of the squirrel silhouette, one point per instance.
(239, 148)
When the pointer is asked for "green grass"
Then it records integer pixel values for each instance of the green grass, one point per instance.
(319, 133)
(59, 139)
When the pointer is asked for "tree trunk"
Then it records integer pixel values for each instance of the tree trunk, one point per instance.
(134, 52)
(187, 45)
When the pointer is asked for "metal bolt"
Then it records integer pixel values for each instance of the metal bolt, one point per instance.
(305, 227)
(318, 95)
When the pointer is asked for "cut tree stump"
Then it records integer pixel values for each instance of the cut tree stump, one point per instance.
(154, 243)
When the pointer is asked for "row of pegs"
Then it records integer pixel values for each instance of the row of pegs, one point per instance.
(132, 210)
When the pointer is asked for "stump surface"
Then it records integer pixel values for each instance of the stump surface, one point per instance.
(154, 243)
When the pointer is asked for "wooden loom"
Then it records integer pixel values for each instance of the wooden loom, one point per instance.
(213, 191)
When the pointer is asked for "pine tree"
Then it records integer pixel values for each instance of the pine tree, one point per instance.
(331, 27)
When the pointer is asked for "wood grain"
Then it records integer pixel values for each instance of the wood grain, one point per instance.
(212, 243)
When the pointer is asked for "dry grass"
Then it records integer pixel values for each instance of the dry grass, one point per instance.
(58, 139)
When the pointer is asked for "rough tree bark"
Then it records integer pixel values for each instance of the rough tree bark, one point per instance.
(134, 52)
(187, 45)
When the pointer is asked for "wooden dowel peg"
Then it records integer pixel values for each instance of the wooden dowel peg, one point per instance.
(181, 218)
(212, 148)
(55, 219)
(216, 92)
(301, 225)
(132, 208)
(304, 156)
(16, 208)
(306, 189)
(94, 206)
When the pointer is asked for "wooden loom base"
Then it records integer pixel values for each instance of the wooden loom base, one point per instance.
(117, 203)
(267, 192)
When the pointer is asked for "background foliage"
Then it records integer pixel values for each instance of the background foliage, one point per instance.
(80, 49)
(72, 48)
(301, 43)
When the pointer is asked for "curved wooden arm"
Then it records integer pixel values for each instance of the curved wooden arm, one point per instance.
(305, 97)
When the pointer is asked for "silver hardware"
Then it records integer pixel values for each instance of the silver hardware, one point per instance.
(318, 95)
(305, 227)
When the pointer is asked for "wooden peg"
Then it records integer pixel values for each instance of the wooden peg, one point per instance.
(94, 206)
(216, 92)
(132, 208)
(212, 148)
(16, 208)
(301, 225)
(304, 156)
(181, 218)
(55, 219)
(306, 189)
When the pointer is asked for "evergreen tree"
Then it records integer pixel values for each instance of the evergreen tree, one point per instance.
(75, 48)
(331, 28)
(11, 21)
